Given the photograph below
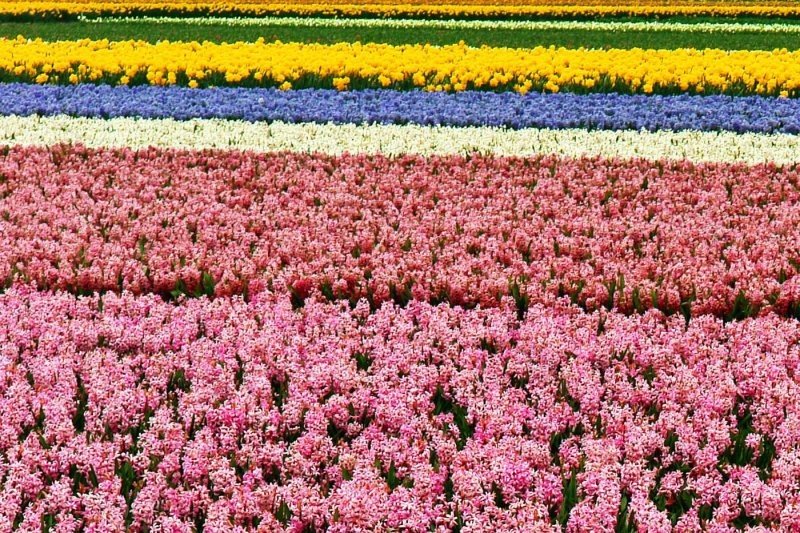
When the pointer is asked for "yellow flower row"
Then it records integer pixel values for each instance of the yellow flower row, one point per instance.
(167, 3)
(446, 68)
(386, 8)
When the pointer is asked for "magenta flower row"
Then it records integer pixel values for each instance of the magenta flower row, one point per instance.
(681, 237)
(127, 412)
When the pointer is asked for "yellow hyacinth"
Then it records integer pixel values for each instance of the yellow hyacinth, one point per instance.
(341, 84)
(384, 80)
(452, 67)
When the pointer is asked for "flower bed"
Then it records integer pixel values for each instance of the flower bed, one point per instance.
(395, 140)
(470, 108)
(720, 239)
(416, 418)
(372, 65)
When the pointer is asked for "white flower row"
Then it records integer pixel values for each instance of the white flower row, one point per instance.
(534, 25)
(336, 139)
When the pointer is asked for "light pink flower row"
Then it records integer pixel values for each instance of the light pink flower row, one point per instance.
(718, 239)
(131, 413)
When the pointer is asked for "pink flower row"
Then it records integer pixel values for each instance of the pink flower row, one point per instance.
(713, 238)
(127, 412)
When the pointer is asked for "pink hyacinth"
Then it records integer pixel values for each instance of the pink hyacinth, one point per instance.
(697, 239)
(129, 412)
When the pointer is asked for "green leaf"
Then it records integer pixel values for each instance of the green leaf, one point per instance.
(520, 298)
(499, 500)
(448, 488)
(764, 462)
(284, 513)
(82, 400)
(141, 247)
(442, 404)
(127, 475)
(624, 517)
(391, 477)
(48, 522)
(280, 390)
(207, 283)
(363, 361)
(742, 308)
(570, 498)
(434, 460)
(178, 381)
(179, 290)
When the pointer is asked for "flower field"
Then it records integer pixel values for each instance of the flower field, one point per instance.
(390, 266)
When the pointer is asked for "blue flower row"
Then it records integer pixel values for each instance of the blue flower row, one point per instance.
(557, 111)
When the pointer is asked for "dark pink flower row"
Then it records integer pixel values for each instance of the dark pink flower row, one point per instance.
(713, 238)
(128, 412)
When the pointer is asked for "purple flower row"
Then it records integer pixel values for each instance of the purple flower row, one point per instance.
(595, 111)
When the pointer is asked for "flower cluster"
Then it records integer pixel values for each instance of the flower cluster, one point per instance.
(446, 68)
(60, 9)
(129, 413)
(720, 239)
(394, 140)
(469, 108)
(455, 24)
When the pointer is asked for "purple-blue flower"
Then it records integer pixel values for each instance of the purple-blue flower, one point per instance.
(470, 108)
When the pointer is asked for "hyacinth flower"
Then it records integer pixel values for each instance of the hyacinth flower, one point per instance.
(684, 238)
(132, 412)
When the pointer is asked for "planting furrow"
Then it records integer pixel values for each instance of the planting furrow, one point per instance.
(586, 9)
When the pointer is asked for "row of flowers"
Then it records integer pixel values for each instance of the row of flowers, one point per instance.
(447, 68)
(469, 108)
(60, 9)
(128, 413)
(458, 24)
(393, 140)
(720, 239)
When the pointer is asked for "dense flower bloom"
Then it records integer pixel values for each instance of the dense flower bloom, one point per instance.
(394, 139)
(720, 239)
(469, 108)
(428, 23)
(136, 413)
(449, 68)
